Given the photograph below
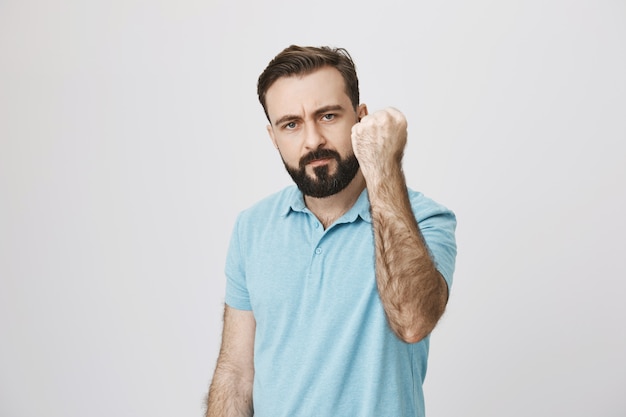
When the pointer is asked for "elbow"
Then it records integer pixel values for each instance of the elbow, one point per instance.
(413, 334)
(415, 328)
(414, 338)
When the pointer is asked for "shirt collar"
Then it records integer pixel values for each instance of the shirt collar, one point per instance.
(294, 201)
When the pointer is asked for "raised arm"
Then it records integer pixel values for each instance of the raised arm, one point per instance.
(413, 292)
(230, 394)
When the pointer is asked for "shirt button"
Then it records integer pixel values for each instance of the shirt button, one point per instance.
(317, 225)
(318, 250)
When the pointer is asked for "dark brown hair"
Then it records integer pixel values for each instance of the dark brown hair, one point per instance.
(301, 60)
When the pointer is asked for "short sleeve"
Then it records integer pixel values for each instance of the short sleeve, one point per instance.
(438, 225)
(236, 289)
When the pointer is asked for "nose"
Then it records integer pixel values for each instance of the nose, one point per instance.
(313, 137)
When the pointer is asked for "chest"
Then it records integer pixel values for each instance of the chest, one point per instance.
(300, 269)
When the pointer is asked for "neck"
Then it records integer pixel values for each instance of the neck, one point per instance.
(329, 209)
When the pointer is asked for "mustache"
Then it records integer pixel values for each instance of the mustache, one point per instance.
(319, 154)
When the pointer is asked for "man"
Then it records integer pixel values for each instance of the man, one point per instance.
(333, 286)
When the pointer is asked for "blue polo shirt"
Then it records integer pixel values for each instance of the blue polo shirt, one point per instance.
(323, 347)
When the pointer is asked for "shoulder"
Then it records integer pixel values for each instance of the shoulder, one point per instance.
(271, 207)
(425, 207)
(263, 220)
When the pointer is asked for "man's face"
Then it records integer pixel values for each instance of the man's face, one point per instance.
(311, 120)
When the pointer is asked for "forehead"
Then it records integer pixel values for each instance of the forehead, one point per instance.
(304, 93)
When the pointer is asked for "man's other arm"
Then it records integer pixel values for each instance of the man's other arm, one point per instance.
(230, 394)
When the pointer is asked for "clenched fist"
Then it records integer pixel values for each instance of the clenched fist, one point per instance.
(378, 141)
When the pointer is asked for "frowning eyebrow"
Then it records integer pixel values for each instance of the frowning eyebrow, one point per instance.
(318, 112)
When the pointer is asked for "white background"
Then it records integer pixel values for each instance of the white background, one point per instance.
(131, 136)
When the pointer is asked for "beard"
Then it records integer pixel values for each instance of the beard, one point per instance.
(324, 184)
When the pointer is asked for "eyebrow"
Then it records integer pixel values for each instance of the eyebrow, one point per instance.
(318, 112)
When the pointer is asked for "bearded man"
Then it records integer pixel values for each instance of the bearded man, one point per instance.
(334, 284)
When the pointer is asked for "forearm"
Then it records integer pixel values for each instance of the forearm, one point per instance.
(230, 394)
(412, 291)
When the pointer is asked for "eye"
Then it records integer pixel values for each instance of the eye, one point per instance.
(290, 125)
(328, 116)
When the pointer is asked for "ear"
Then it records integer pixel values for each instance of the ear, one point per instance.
(361, 111)
(270, 132)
